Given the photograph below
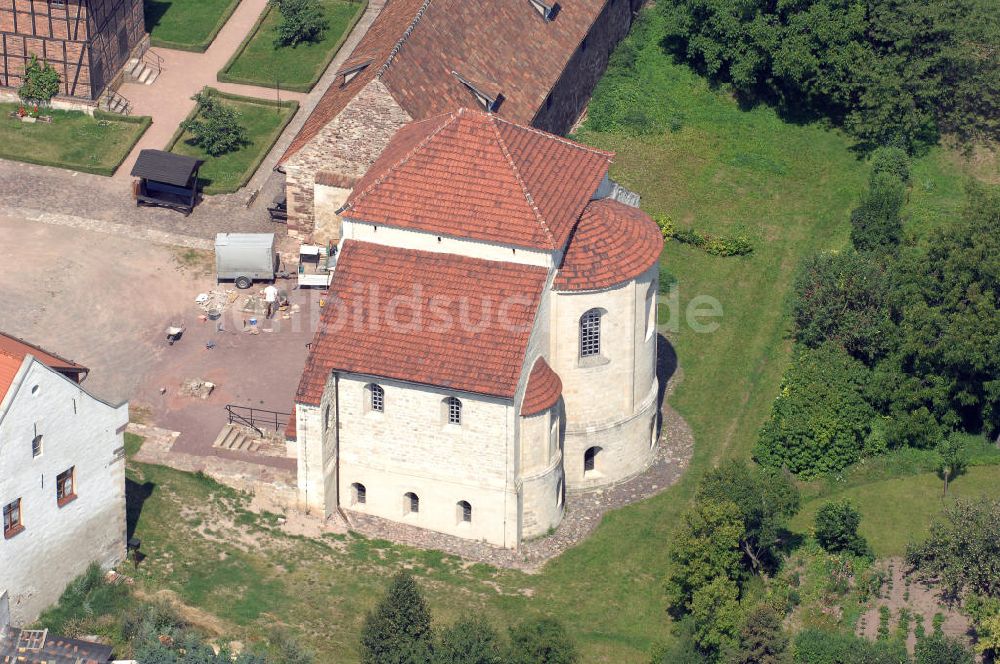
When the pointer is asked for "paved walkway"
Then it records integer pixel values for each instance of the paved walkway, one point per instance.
(168, 99)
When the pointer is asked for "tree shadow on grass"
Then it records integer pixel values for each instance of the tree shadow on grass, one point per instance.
(136, 495)
(154, 11)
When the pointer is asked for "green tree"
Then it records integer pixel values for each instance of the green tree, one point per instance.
(843, 297)
(820, 418)
(962, 550)
(876, 224)
(766, 498)
(939, 649)
(469, 641)
(705, 546)
(540, 641)
(302, 21)
(762, 639)
(948, 304)
(216, 128)
(837, 528)
(398, 630)
(681, 649)
(954, 457)
(715, 610)
(41, 82)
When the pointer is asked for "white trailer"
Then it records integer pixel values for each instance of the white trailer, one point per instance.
(245, 258)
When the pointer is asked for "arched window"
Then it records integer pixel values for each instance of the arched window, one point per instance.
(36, 445)
(326, 417)
(411, 502)
(376, 398)
(650, 311)
(590, 459)
(590, 333)
(359, 494)
(464, 511)
(453, 410)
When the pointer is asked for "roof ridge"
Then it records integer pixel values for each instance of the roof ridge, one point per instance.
(560, 139)
(405, 158)
(402, 39)
(520, 181)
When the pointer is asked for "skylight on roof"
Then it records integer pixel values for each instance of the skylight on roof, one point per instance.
(489, 100)
(352, 69)
(548, 12)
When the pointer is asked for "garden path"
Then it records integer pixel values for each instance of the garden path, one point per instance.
(168, 100)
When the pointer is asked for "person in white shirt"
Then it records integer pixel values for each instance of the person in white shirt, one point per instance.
(271, 298)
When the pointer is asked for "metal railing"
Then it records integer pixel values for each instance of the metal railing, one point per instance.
(257, 418)
(116, 103)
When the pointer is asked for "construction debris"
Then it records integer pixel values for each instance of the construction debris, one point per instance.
(196, 387)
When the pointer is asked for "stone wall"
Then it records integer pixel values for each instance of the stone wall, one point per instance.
(570, 95)
(541, 474)
(347, 147)
(58, 543)
(609, 398)
(410, 447)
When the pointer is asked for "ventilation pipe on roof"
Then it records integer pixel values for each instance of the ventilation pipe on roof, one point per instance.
(548, 12)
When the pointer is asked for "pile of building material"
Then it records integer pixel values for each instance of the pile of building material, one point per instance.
(196, 387)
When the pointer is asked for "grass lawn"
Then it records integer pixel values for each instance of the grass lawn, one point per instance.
(258, 62)
(898, 511)
(225, 174)
(189, 25)
(73, 140)
(790, 187)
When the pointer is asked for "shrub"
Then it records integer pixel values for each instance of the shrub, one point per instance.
(41, 82)
(469, 641)
(837, 529)
(891, 160)
(716, 245)
(813, 646)
(540, 641)
(302, 21)
(216, 128)
(876, 224)
(820, 419)
(843, 297)
(762, 640)
(666, 225)
(939, 649)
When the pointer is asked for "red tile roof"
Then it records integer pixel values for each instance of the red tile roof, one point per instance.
(470, 332)
(543, 391)
(9, 366)
(417, 46)
(613, 243)
(291, 431)
(474, 175)
(377, 45)
(13, 351)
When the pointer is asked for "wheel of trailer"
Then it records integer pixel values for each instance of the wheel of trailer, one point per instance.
(243, 282)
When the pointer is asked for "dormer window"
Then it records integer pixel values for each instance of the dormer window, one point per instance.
(548, 11)
(352, 68)
(489, 97)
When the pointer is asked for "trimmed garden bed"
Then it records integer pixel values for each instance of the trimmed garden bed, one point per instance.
(264, 121)
(72, 140)
(186, 25)
(258, 62)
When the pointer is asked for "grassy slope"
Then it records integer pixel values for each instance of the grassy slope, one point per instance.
(298, 67)
(226, 173)
(185, 22)
(73, 140)
(792, 188)
(898, 511)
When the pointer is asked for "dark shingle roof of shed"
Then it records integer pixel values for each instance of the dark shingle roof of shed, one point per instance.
(175, 169)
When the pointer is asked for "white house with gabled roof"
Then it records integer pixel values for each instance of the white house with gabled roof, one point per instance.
(62, 479)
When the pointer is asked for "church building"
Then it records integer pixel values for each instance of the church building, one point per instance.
(489, 338)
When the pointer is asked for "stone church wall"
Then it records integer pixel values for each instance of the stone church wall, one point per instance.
(410, 448)
(345, 147)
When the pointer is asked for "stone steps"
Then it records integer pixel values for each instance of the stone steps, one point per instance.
(140, 72)
(235, 438)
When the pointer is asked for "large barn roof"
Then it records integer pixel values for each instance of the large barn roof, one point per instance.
(437, 55)
(474, 175)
